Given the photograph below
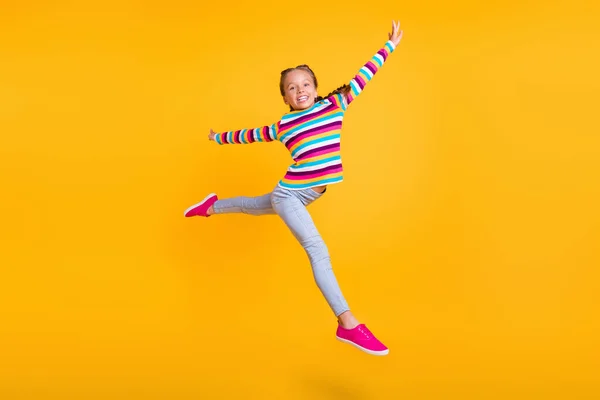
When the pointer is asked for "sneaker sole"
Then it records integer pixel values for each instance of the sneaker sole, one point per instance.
(198, 204)
(371, 352)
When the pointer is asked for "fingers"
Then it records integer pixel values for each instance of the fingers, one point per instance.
(396, 34)
(395, 29)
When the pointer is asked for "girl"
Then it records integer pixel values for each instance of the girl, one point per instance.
(311, 132)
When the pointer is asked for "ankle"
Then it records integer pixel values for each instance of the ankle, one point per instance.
(210, 211)
(347, 320)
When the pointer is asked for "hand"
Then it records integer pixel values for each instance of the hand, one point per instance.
(396, 34)
(211, 135)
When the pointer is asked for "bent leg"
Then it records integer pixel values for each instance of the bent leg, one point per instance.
(260, 205)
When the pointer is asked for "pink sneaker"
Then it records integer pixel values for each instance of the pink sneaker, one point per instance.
(201, 209)
(362, 338)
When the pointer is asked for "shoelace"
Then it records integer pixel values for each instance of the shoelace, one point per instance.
(365, 332)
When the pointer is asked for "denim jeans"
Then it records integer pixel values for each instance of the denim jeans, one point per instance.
(290, 206)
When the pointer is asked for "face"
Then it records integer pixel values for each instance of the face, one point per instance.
(299, 89)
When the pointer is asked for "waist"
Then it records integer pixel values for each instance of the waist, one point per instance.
(320, 189)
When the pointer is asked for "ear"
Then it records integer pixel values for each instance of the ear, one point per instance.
(285, 101)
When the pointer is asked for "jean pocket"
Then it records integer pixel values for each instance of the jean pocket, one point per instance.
(278, 195)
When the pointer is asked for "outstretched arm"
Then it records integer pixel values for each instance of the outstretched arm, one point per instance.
(267, 133)
(366, 73)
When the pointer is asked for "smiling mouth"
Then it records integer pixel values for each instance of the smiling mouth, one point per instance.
(302, 99)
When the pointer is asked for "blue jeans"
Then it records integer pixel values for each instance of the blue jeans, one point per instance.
(291, 205)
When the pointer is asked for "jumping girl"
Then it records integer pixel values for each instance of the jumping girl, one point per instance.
(311, 132)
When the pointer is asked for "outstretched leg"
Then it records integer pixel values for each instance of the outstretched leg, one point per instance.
(260, 205)
(211, 204)
(291, 205)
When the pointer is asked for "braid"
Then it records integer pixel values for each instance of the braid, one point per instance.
(344, 90)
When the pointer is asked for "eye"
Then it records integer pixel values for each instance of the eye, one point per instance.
(307, 84)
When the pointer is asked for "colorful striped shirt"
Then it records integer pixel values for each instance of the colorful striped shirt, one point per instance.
(312, 136)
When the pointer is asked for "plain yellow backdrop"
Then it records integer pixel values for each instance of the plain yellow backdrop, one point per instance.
(465, 234)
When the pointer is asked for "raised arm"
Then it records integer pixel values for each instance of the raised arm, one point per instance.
(267, 133)
(366, 73)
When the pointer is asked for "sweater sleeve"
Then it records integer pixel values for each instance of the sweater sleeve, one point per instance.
(366, 73)
(267, 133)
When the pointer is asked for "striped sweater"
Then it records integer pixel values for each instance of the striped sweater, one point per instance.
(312, 136)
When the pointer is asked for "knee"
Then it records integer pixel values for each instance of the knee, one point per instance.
(315, 247)
(245, 204)
(312, 241)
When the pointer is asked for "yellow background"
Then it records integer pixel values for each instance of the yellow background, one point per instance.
(465, 234)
